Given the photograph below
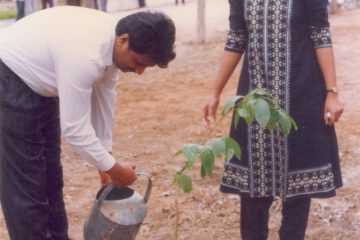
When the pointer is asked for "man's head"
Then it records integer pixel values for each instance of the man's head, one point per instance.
(144, 39)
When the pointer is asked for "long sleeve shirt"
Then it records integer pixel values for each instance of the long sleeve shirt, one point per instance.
(68, 52)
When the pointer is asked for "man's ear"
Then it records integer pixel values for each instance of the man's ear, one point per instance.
(122, 39)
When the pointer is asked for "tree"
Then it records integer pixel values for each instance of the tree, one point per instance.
(201, 24)
(334, 6)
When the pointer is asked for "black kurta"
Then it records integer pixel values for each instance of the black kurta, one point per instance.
(278, 39)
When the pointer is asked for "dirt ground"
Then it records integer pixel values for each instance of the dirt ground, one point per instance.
(161, 110)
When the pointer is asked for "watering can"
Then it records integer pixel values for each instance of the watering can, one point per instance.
(117, 213)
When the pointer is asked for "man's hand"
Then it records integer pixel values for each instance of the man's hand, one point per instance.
(122, 175)
(105, 178)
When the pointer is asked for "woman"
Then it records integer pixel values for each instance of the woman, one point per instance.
(287, 49)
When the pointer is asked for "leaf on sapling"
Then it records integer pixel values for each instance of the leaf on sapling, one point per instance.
(218, 146)
(246, 114)
(184, 182)
(293, 123)
(202, 171)
(230, 104)
(231, 148)
(236, 119)
(190, 151)
(260, 92)
(207, 157)
(250, 106)
(285, 122)
(262, 112)
(273, 120)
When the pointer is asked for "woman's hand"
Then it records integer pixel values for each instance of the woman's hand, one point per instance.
(210, 109)
(333, 109)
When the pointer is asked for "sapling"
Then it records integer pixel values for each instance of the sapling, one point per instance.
(257, 107)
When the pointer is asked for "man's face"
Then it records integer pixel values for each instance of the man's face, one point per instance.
(127, 60)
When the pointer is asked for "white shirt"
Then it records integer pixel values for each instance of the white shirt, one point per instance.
(67, 52)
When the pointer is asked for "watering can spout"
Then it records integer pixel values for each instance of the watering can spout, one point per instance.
(117, 213)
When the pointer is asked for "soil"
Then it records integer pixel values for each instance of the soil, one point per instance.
(160, 110)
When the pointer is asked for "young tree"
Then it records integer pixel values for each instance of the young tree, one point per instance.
(201, 24)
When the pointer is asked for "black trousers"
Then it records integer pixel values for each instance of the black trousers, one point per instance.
(31, 179)
(255, 217)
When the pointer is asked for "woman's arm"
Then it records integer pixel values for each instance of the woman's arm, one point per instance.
(319, 28)
(333, 105)
(228, 62)
(234, 47)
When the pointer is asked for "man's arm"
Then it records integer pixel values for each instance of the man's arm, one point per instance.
(75, 84)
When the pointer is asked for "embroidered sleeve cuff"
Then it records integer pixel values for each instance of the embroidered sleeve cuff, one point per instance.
(321, 37)
(236, 41)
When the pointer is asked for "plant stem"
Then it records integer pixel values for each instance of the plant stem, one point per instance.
(215, 125)
(177, 210)
(209, 133)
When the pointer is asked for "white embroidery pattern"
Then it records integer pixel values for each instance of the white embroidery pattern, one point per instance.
(321, 37)
(311, 180)
(236, 41)
(236, 176)
(267, 55)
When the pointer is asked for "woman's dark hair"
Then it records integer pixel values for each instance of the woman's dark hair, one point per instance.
(150, 33)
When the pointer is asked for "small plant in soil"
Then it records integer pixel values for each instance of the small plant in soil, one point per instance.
(258, 107)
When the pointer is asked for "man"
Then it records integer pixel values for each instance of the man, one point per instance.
(59, 67)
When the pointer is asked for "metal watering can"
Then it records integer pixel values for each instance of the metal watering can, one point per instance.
(117, 213)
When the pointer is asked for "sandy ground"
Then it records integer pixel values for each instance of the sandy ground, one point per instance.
(161, 110)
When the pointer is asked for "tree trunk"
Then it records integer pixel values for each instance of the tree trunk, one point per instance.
(201, 24)
(334, 6)
(89, 3)
(73, 2)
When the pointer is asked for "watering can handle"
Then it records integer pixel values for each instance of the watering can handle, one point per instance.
(109, 187)
(140, 172)
(102, 197)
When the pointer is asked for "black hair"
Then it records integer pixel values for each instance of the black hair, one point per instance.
(150, 33)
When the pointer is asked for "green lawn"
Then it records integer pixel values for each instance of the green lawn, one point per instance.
(7, 14)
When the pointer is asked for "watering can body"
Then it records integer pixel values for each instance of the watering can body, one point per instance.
(117, 213)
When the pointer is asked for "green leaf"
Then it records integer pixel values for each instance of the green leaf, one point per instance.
(202, 171)
(261, 92)
(262, 112)
(249, 117)
(231, 148)
(236, 119)
(207, 157)
(218, 146)
(285, 122)
(274, 118)
(250, 106)
(184, 182)
(230, 104)
(293, 123)
(190, 151)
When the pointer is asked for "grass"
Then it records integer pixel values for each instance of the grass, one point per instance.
(7, 14)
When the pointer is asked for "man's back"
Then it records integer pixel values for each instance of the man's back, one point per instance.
(34, 45)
